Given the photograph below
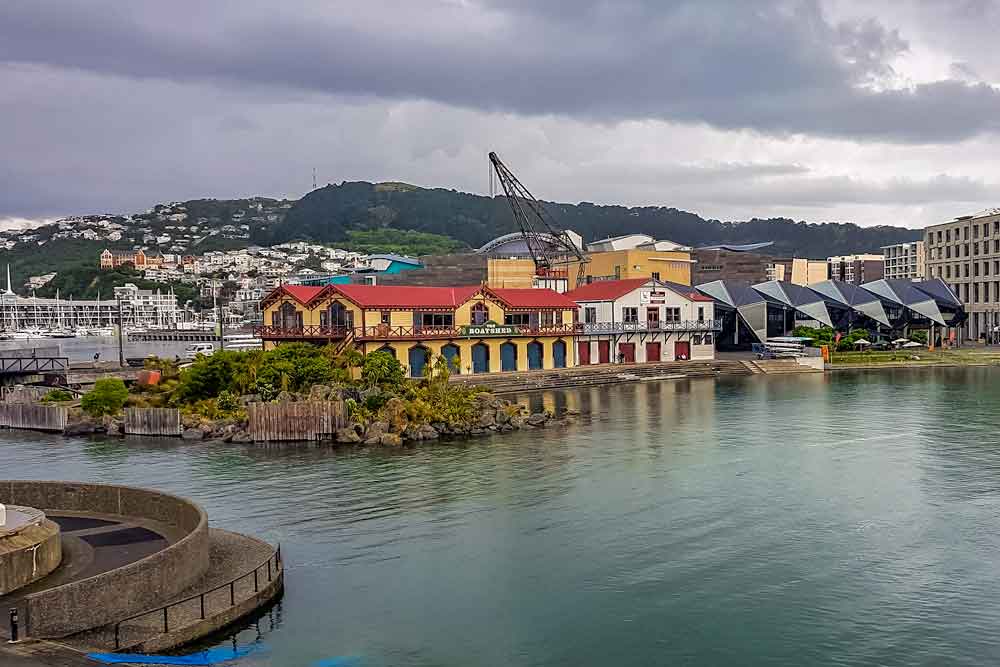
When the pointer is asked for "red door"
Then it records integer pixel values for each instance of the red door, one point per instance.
(604, 351)
(682, 350)
(652, 353)
(583, 351)
(626, 351)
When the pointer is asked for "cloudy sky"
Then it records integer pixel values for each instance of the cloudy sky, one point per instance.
(874, 111)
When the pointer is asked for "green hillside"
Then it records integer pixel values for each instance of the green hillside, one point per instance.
(330, 214)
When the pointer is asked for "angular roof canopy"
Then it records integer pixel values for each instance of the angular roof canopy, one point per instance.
(800, 298)
(854, 297)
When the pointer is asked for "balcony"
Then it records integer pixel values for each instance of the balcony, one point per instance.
(388, 333)
(599, 328)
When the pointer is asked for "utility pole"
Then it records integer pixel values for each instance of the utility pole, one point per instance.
(121, 333)
(222, 326)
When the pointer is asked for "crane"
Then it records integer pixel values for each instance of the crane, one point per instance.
(550, 247)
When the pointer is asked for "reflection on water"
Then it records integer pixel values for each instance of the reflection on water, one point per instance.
(818, 519)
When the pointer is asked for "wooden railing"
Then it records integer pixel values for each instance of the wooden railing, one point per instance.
(386, 332)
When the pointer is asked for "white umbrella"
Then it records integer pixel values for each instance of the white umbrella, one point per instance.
(913, 344)
(901, 341)
(862, 342)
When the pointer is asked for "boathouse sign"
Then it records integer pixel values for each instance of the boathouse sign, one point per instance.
(490, 328)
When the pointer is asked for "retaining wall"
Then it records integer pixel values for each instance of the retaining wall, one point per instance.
(128, 590)
(29, 555)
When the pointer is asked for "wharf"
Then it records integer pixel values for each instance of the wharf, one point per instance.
(180, 336)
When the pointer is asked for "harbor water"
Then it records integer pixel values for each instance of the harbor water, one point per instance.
(839, 519)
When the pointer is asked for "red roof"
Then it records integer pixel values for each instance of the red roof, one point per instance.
(391, 296)
(606, 290)
(533, 298)
(301, 293)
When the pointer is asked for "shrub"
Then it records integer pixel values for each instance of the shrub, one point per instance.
(57, 395)
(106, 398)
(381, 369)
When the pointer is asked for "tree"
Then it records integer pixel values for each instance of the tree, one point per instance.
(381, 369)
(106, 398)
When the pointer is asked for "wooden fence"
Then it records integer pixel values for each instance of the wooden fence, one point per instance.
(306, 420)
(152, 421)
(37, 417)
(23, 394)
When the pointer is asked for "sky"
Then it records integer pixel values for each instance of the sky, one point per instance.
(874, 112)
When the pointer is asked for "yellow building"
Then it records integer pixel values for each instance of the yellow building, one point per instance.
(670, 266)
(478, 329)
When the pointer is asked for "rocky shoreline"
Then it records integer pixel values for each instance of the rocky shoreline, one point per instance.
(494, 415)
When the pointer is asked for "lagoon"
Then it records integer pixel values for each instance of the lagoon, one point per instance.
(847, 518)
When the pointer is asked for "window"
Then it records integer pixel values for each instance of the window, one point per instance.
(966, 249)
(701, 313)
(386, 318)
(965, 270)
(696, 339)
(437, 319)
(656, 275)
(618, 272)
(653, 316)
(975, 293)
(996, 245)
(947, 252)
(986, 268)
(986, 229)
(975, 231)
(559, 318)
(630, 315)
(707, 339)
(673, 314)
(546, 318)
(965, 233)
(975, 269)
(975, 248)
(480, 313)
(590, 315)
(947, 235)
(516, 319)
(710, 268)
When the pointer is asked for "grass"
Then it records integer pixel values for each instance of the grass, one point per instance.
(919, 357)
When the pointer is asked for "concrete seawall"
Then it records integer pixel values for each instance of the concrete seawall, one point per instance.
(29, 555)
(133, 588)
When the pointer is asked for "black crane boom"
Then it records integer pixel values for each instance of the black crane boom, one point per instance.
(550, 246)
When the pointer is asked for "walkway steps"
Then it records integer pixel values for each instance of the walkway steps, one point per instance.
(598, 375)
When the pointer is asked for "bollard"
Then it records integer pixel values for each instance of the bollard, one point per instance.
(13, 624)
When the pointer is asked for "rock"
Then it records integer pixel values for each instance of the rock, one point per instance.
(241, 438)
(537, 419)
(476, 431)
(376, 430)
(114, 427)
(391, 440)
(502, 415)
(487, 419)
(85, 427)
(395, 415)
(517, 421)
(428, 432)
(322, 392)
(347, 435)
(286, 397)
(193, 434)
(247, 399)
(506, 428)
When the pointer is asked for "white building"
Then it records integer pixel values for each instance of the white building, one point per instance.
(904, 261)
(640, 321)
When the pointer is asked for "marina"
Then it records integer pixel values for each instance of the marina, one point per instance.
(851, 526)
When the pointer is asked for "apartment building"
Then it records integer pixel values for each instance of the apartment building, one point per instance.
(904, 261)
(965, 253)
(856, 269)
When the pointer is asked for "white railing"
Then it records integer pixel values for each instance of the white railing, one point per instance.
(649, 327)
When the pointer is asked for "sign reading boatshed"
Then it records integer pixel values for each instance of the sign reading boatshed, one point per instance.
(490, 328)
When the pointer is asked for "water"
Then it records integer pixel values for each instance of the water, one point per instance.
(84, 348)
(846, 519)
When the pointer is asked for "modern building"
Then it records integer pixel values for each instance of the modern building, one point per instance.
(642, 320)
(798, 270)
(965, 253)
(477, 329)
(732, 262)
(887, 308)
(856, 269)
(904, 261)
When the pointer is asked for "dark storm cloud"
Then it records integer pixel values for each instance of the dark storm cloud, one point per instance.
(774, 66)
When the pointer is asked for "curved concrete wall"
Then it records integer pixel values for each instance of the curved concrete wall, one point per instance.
(131, 589)
(29, 555)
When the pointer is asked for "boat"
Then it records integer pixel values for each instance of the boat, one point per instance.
(242, 342)
(60, 333)
(27, 334)
(194, 349)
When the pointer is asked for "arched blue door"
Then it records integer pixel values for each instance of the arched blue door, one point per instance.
(419, 356)
(559, 354)
(508, 357)
(480, 358)
(450, 353)
(535, 353)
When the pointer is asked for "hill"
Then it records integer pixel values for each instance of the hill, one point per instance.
(331, 213)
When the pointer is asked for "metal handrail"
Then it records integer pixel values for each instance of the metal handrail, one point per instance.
(650, 327)
(231, 585)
